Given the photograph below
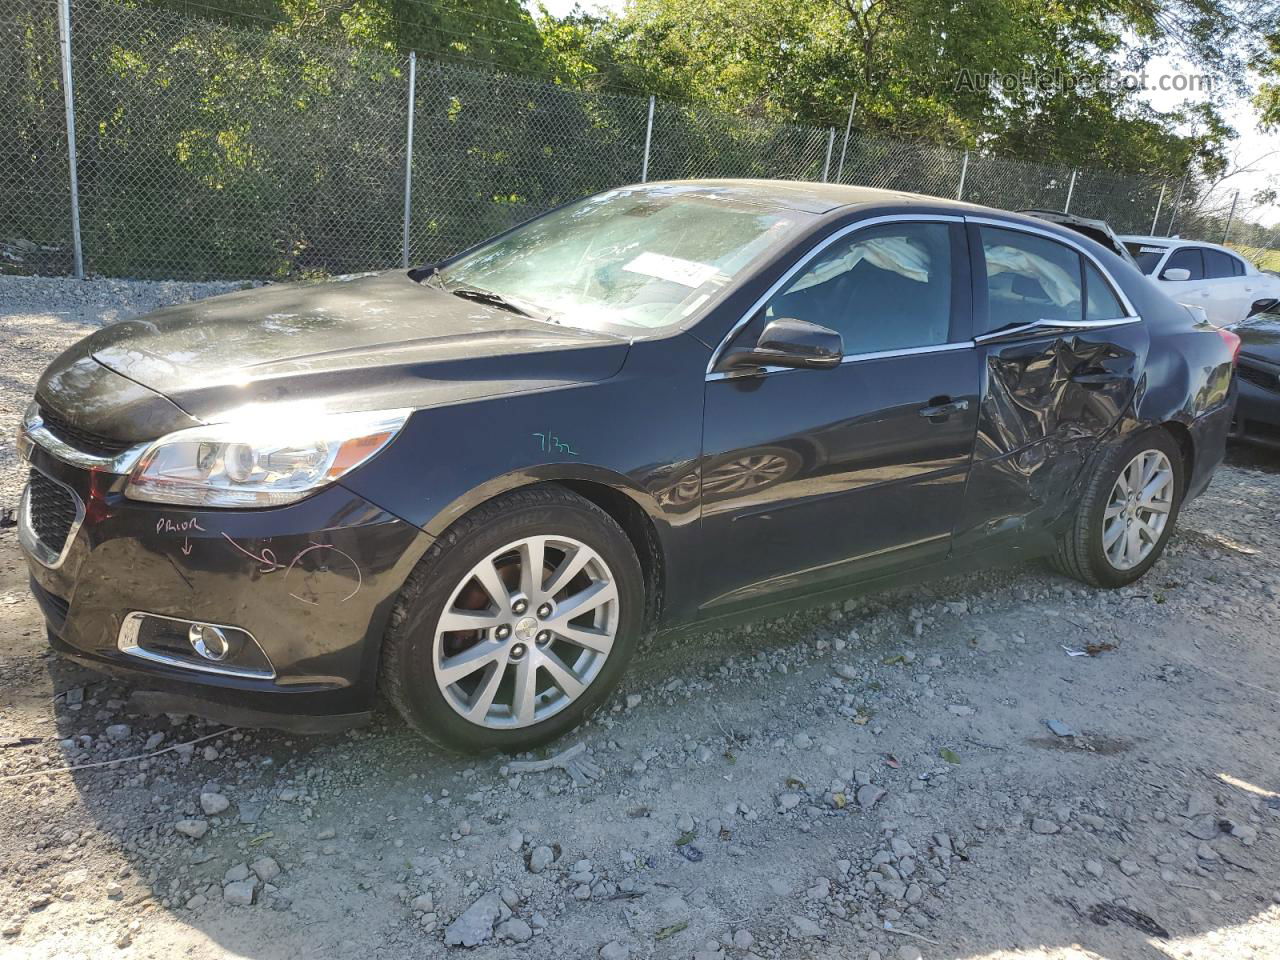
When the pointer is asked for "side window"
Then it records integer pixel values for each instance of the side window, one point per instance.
(1188, 258)
(1101, 302)
(1029, 278)
(1217, 264)
(883, 288)
(1237, 267)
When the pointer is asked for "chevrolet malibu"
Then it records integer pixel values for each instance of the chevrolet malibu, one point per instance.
(476, 485)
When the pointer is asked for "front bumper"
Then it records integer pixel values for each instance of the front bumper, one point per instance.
(313, 583)
(1258, 407)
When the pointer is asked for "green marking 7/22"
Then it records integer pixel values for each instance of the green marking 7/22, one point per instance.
(549, 443)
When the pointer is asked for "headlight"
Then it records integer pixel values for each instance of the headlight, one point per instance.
(261, 458)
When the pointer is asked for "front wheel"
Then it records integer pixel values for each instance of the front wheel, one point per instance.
(516, 625)
(1126, 514)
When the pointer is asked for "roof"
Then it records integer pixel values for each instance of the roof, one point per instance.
(1173, 242)
(814, 197)
(824, 198)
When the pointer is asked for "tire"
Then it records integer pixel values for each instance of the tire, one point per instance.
(1082, 550)
(521, 697)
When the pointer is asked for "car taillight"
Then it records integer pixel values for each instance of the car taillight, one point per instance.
(1232, 341)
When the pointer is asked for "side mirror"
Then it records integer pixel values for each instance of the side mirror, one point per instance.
(786, 342)
(1270, 305)
(1176, 273)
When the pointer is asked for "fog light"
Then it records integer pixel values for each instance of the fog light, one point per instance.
(208, 641)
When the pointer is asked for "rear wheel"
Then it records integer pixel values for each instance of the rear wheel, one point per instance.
(516, 625)
(1126, 514)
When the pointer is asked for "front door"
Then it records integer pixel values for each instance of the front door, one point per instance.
(813, 476)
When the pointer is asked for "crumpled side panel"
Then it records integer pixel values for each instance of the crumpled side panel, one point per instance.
(1045, 405)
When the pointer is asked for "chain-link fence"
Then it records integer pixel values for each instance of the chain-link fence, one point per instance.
(208, 150)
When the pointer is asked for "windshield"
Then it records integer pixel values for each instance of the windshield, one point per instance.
(642, 257)
(1147, 255)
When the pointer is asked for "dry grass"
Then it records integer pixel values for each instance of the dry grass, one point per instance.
(1264, 258)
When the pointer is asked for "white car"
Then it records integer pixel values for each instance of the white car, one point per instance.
(1207, 275)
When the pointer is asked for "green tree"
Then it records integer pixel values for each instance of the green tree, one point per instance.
(495, 33)
(917, 68)
(1268, 98)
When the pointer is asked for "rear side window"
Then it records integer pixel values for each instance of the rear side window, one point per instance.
(1237, 267)
(1101, 302)
(1218, 264)
(883, 288)
(1188, 258)
(1029, 278)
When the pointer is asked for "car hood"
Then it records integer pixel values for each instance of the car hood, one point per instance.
(1260, 336)
(377, 341)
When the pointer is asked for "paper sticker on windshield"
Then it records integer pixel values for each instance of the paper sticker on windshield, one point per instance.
(1152, 250)
(687, 273)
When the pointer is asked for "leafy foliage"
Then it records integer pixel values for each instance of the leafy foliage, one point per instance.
(918, 68)
(266, 137)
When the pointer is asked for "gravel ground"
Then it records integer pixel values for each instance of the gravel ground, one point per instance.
(926, 773)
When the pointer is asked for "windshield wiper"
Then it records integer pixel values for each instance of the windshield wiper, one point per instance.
(512, 304)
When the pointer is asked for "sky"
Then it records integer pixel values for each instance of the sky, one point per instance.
(1251, 147)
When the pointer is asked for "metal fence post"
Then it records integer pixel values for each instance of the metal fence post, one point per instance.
(848, 126)
(648, 140)
(1159, 204)
(1177, 203)
(831, 143)
(69, 100)
(408, 156)
(1071, 188)
(1230, 216)
(964, 172)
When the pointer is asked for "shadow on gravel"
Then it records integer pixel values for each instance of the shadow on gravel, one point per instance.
(278, 847)
(1248, 457)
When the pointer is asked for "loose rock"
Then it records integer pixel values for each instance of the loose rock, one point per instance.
(515, 930)
(540, 859)
(869, 795)
(239, 894)
(475, 925)
(192, 828)
(213, 803)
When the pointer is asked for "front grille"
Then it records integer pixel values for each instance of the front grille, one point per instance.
(52, 511)
(1257, 376)
(82, 440)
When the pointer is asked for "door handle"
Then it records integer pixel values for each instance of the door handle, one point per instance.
(942, 407)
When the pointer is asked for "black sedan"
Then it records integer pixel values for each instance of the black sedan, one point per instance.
(477, 484)
(1258, 408)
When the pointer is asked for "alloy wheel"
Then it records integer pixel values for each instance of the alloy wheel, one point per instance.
(525, 632)
(1137, 510)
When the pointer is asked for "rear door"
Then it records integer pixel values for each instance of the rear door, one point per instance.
(1227, 297)
(1048, 394)
(814, 476)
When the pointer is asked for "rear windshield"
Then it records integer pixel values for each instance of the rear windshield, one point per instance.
(642, 257)
(1147, 255)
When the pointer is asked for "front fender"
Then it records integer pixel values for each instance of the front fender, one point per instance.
(638, 433)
